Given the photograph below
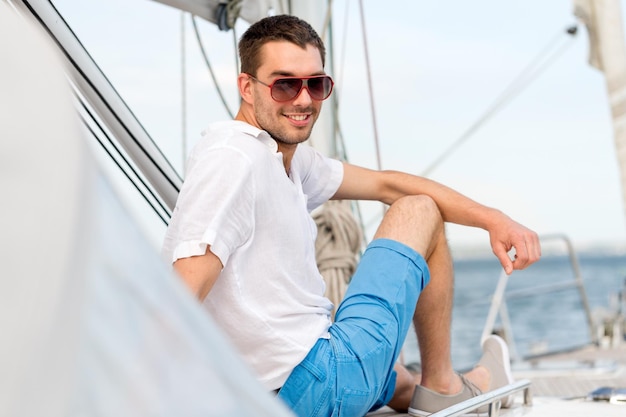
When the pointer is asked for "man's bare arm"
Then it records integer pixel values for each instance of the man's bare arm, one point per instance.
(387, 186)
(199, 272)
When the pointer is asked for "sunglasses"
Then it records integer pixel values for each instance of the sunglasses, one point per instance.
(285, 89)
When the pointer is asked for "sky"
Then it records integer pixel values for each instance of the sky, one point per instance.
(547, 158)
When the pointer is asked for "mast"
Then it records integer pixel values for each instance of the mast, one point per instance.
(339, 236)
(316, 12)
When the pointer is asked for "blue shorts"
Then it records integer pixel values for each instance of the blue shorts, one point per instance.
(352, 373)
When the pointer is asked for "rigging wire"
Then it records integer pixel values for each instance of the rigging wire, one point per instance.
(210, 68)
(369, 82)
(340, 140)
(371, 93)
(339, 143)
(344, 44)
(335, 151)
(340, 146)
(183, 89)
(236, 49)
(127, 164)
(531, 72)
(522, 81)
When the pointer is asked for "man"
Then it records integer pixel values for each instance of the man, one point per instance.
(242, 239)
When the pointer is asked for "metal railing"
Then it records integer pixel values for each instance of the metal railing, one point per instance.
(498, 301)
(95, 91)
(491, 398)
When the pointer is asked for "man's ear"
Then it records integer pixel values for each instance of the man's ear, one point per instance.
(244, 82)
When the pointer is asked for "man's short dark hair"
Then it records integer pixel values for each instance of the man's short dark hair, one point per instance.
(276, 28)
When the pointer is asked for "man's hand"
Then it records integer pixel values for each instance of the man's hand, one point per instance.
(507, 234)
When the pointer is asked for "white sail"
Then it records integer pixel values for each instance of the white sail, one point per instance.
(608, 54)
(93, 323)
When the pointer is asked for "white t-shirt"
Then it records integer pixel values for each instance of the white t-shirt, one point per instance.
(237, 198)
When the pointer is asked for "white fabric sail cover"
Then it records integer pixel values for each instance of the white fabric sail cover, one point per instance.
(93, 324)
(249, 10)
(608, 54)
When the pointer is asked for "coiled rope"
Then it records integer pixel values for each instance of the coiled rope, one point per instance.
(337, 247)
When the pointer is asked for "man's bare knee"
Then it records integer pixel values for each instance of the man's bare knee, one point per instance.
(414, 221)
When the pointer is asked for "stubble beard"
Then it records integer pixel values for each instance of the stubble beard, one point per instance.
(288, 138)
(270, 121)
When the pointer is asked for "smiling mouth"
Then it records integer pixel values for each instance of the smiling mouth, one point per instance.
(298, 117)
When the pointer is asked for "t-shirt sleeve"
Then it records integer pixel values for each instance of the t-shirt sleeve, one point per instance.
(321, 176)
(215, 206)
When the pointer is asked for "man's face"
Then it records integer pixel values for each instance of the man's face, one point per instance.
(288, 122)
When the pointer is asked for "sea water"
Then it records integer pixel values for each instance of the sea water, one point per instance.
(540, 322)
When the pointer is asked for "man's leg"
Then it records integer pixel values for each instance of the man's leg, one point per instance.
(352, 370)
(414, 222)
(429, 240)
(432, 322)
